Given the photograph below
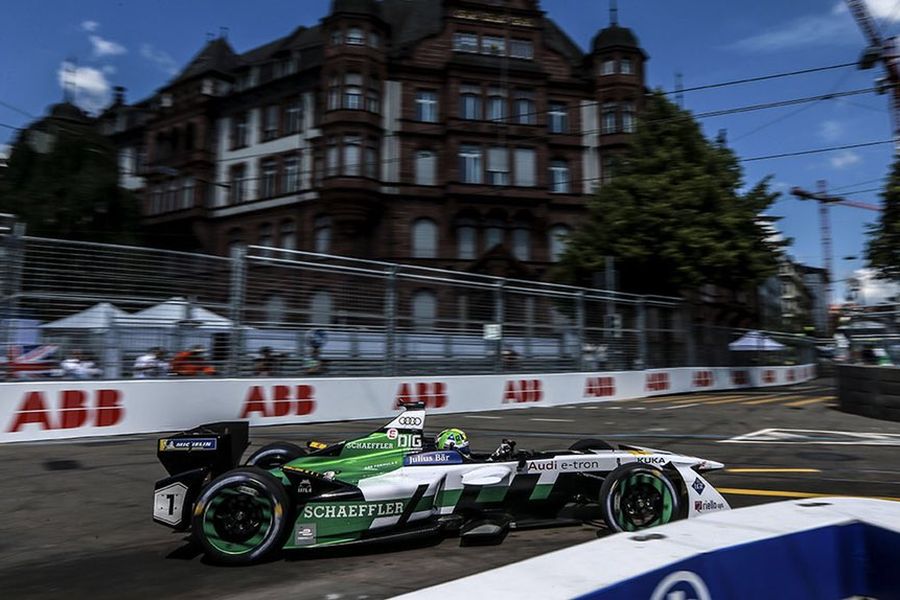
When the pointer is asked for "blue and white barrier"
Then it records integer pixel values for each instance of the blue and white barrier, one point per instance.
(822, 549)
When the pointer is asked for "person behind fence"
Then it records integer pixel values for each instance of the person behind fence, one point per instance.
(75, 366)
(266, 364)
(314, 364)
(509, 356)
(151, 364)
(192, 363)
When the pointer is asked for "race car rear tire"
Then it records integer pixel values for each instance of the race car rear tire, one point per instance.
(636, 496)
(241, 516)
(590, 444)
(274, 455)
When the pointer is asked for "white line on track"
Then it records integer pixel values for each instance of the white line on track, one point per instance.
(590, 407)
(677, 407)
(553, 420)
(482, 417)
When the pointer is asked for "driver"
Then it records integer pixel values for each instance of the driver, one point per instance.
(453, 439)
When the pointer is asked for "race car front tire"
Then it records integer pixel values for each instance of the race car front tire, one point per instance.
(636, 496)
(241, 516)
(275, 455)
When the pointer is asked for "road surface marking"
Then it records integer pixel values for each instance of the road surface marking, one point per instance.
(789, 494)
(677, 407)
(482, 417)
(589, 407)
(773, 398)
(815, 436)
(810, 401)
(553, 420)
(772, 470)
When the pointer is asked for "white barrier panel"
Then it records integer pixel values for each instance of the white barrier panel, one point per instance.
(44, 410)
(795, 550)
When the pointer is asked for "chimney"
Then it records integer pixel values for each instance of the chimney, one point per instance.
(119, 95)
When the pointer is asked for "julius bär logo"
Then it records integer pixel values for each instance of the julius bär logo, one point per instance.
(703, 379)
(523, 390)
(431, 393)
(285, 400)
(599, 387)
(657, 382)
(77, 408)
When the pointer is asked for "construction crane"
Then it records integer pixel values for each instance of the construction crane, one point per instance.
(825, 200)
(883, 50)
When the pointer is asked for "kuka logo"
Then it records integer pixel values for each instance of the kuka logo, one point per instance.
(657, 382)
(599, 387)
(523, 390)
(768, 376)
(75, 410)
(703, 379)
(740, 377)
(286, 400)
(432, 393)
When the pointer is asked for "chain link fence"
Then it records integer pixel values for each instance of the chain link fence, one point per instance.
(88, 310)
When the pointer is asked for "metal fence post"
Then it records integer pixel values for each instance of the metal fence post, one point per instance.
(499, 316)
(687, 317)
(12, 275)
(642, 333)
(236, 299)
(579, 330)
(390, 325)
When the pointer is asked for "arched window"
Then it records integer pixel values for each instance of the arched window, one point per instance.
(558, 241)
(426, 167)
(288, 235)
(493, 233)
(322, 234)
(320, 308)
(424, 310)
(424, 238)
(466, 239)
(521, 241)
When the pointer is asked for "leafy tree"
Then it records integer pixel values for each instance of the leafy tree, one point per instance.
(883, 248)
(673, 216)
(70, 192)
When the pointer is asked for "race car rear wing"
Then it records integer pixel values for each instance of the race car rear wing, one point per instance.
(215, 446)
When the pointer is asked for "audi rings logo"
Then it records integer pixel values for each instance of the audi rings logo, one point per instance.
(415, 421)
(681, 585)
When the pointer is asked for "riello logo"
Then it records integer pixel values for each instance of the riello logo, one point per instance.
(76, 408)
(599, 387)
(280, 401)
(703, 379)
(432, 393)
(523, 390)
(657, 382)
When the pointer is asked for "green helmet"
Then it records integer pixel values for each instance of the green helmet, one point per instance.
(453, 439)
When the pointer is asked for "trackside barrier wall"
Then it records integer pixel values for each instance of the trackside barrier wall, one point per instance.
(33, 411)
(822, 549)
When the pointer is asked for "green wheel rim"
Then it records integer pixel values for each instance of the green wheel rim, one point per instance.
(237, 522)
(641, 500)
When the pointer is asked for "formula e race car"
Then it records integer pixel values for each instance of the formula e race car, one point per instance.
(395, 484)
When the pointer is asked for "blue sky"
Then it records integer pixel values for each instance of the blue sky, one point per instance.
(140, 44)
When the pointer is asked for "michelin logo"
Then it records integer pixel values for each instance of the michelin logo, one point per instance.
(445, 457)
(187, 444)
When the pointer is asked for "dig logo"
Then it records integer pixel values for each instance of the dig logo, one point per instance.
(432, 393)
(599, 387)
(286, 400)
(657, 382)
(75, 410)
(703, 379)
(523, 390)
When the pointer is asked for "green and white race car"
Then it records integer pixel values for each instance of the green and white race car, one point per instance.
(397, 483)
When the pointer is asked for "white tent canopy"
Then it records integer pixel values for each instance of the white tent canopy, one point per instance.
(755, 341)
(99, 316)
(177, 311)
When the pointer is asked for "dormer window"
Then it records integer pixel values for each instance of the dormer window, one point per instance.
(521, 49)
(626, 66)
(465, 42)
(493, 45)
(356, 36)
(374, 39)
(608, 66)
(337, 37)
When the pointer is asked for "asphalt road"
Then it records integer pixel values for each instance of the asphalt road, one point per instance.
(75, 516)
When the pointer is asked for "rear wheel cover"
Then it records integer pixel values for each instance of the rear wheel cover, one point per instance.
(638, 496)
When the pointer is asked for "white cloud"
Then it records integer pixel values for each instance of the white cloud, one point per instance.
(5, 149)
(844, 159)
(884, 10)
(109, 69)
(90, 26)
(810, 30)
(103, 47)
(92, 89)
(831, 131)
(874, 291)
(162, 58)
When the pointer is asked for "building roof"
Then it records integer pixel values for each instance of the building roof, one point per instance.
(216, 56)
(615, 37)
(68, 111)
(560, 41)
(363, 7)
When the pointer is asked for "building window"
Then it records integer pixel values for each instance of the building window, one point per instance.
(470, 163)
(626, 66)
(466, 240)
(334, 93)
(525, 167)
(235, 241)
(293, 117)
(239, 131)
(496, 104)
(470, 102)
(291, 175)
(498, 166)
(606, 169)
(521, 49)
(156, 201)
(187, 193)
(332, 158)
(559, 177)
(374, 39)
(352, 155)
(521, 242)
(353, 98)
(559, 239)
(172, 196)
(337, 37)
(427, 106)
(288, 235)
(465, 42)
(265, 235)
(426, 167)
(629, 124)
(356, 37)
(608, 121)
(238, 184)
(371, 169)
(373, 101)
(424, 239)
(320, 308)
(558, 118)
(608, 67)
(493, 45)
(424, 310)
(270, 123)
(493, 233)
(322, 234)
(526, 114)
(269, 178)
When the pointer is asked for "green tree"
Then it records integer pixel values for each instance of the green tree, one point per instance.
(883, 248)
(673, 215)
(70, 192)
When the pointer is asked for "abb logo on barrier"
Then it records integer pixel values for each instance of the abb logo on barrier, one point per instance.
(432, 393)
(768, 376)
(599, 387)
(77, 408)
(286, 400)
(657, 382)
(740, 377)
(523, 390)
(703, 378)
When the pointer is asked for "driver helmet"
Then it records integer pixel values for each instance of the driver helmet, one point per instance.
(453, 439)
